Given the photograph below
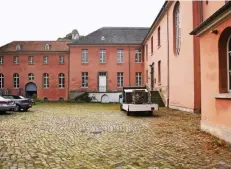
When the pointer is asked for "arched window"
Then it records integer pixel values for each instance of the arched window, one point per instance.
(19, 47)
(177, 28)
(61, 80)
(45, 80)
(16, 80)
(1, 81)
(229, 64)
(31, 76)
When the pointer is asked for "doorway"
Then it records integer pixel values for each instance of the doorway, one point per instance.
(102, 82)
(31, 89)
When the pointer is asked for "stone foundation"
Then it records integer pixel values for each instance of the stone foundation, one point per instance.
(219, 131)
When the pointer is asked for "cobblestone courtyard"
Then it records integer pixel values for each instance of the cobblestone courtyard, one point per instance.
(100, 136)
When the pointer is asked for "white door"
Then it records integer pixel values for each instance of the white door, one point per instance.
(102, 82)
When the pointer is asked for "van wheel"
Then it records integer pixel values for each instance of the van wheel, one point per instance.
(128, 113)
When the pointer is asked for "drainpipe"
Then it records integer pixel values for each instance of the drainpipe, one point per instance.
(168, 60)
(68, 73)
(129, 67)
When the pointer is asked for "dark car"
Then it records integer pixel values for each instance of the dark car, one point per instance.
(21, 102)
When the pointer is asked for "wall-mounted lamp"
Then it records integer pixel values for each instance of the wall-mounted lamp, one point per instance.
(214, 31)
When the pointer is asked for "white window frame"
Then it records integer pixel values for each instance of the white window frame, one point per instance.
(84, 79)
(120, 79)
(31, 76)
(228, 60)
(16, 59)
(177, 28)
(47, 47)
(16, 80)
(1, 81)
(45, 60)
(31, 60)
(138, 57)
(61, 59)
(61, 80)
(1, 60)
(45, 80)
(84, 57)
(138, 78)
(102, 56)
(18, 47)
(120, 56)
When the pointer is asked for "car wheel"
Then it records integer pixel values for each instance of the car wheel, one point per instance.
(26, 109)
(128, 113)
(17, 108)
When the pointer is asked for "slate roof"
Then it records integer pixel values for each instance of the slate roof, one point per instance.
(35, 46)
(114, 36)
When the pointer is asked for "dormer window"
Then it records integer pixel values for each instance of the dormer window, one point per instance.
(19, 47)
(47, 47)
(102, 38)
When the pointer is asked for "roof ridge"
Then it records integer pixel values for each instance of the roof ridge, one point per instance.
(135, 27)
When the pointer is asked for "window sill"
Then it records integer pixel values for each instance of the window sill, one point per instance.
(61, 63)
(138, 62)
(119, 63)
(84, 63)
(223, 96)
(84, 87)
(102, 62)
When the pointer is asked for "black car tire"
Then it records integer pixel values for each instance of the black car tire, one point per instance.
(17, 108)
(26, 109)
(2, 112)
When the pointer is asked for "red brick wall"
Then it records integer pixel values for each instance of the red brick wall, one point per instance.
(53, 68)
(111, 66)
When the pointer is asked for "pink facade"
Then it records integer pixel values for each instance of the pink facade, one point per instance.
(215, 47)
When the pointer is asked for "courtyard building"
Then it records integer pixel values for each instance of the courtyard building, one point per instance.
(191, 73)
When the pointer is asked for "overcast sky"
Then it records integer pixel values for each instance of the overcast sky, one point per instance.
(50, 19)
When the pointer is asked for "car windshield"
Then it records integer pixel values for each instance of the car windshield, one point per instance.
(8, 97)
(21, 97)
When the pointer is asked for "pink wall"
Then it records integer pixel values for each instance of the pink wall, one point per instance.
(211, 7)
(215, 111)
(111, 66)
(53, 68)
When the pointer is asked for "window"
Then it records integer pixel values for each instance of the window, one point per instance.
(177, 28)
(1, 60)
(16, 60)
(45, 80)
(229, 64)
(138, 56)
(45, 59)
(159, 36)
(61, 80)
(138, 78)
(84, 56)
(47, 47)
(120, 56)
(84, 79)
(120, 79)
(16, 80)
(1, 81)
(152, 44)
(19, 47)
(159, 72)
(31, 60)
(147, 52)
(30, 76)
(61, 59)
(102, 56)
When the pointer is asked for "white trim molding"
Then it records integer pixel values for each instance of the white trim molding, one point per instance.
(220, 131)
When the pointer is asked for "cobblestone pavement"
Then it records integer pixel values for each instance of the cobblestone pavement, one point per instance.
(100, 136)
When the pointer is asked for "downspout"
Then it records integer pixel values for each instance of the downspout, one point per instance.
(68, 69)
(129, 67)
(168, 60)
